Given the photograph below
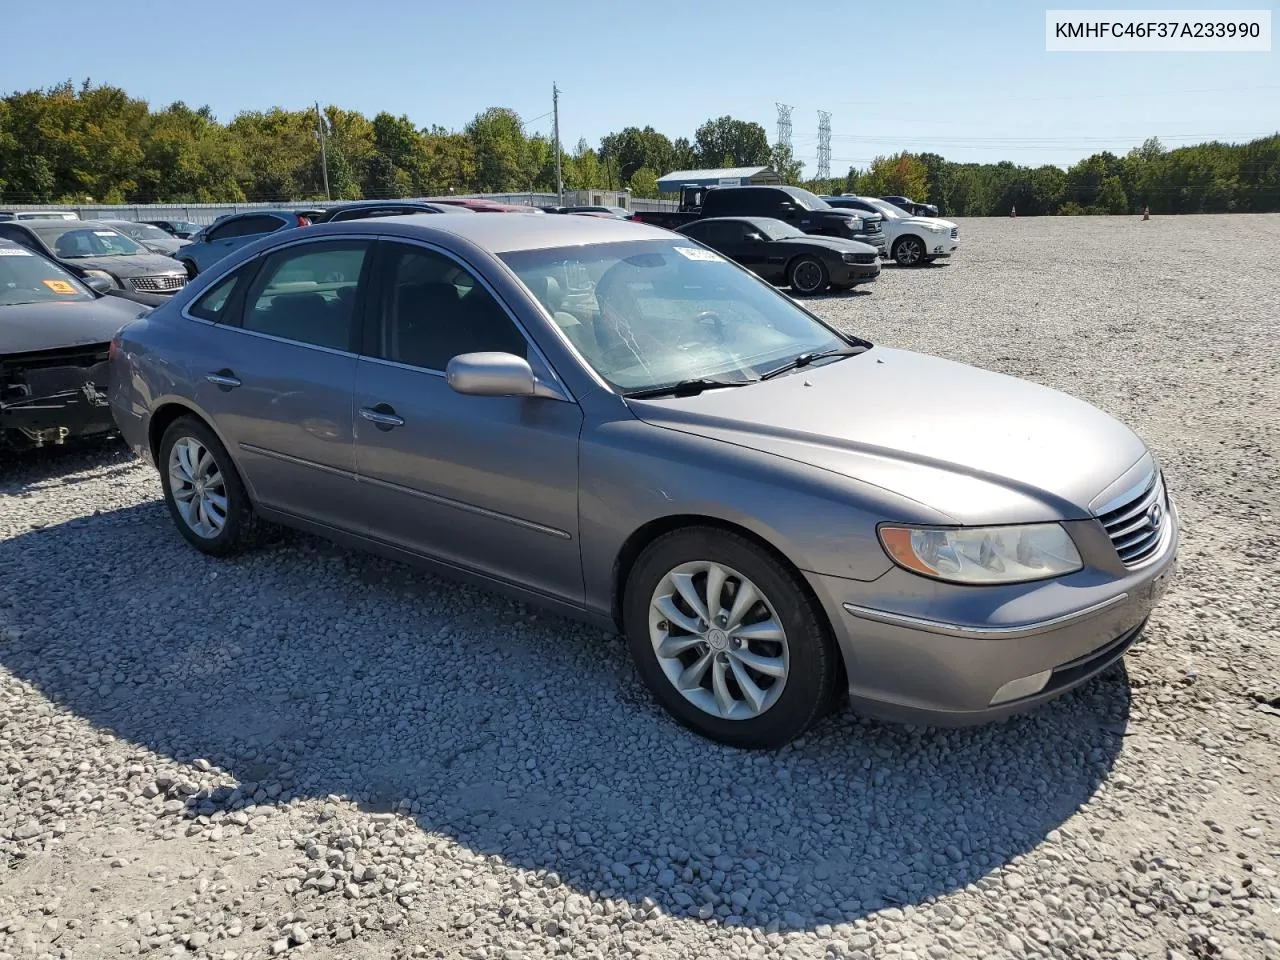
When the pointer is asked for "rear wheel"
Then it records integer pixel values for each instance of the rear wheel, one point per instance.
(205, 495)
(728, 640)
(909, 252)
(808, 275)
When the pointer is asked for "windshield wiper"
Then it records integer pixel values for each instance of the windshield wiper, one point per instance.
(807, 358)
(685, 388)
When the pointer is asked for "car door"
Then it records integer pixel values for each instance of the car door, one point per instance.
(276, 368)
(489, 484)
(742, 241)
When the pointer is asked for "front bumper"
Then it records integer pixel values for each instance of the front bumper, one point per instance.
(851, 273)
(876, 240)
(915, 652)
(66, 403)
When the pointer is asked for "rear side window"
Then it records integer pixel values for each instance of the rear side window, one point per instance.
(742, 202)
(249, 226)
(308, 293)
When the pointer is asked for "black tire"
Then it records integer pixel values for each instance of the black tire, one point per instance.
(814, 670)
(240, 526)
(191, 268)
(813, 276)
(910, 251)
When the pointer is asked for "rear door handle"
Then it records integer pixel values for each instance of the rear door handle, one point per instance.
(383, 416)
(223, 379)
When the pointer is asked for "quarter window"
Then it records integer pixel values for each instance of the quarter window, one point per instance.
(433, 310)
(213, 305)
(308, 293)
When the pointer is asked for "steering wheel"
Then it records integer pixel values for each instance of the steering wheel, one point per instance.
(707, 318)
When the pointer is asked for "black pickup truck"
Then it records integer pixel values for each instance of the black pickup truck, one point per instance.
(800, 208)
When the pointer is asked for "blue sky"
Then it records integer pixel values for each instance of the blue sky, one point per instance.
(970, 80)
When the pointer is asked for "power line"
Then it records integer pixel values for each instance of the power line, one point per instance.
(1058, 99)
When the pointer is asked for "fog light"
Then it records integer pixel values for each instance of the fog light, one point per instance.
(1022, 687)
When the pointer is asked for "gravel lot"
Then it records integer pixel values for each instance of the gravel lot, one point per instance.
(307, 751)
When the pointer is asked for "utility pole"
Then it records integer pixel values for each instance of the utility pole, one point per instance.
(555, 125)
(324, 156)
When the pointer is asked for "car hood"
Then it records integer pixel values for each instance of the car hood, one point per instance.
(32, 327)
(141, 265)
(165, 247)
(971, 445)
(928, 222)
(838, 244)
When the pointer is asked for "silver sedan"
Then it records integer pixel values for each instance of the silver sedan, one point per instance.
(612, 420)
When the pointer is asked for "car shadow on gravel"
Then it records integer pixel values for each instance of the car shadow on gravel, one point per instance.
(303, 670)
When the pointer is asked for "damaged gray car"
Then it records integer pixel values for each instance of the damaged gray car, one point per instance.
(55, 334)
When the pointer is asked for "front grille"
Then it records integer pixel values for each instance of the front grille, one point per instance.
(873, 226)
(158, 284)
(955, 233)
(1135, 528)
(864, 258)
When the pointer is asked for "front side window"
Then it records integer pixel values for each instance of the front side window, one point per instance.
(433, 310)
(655, 312)
(27, 278)
(308, 293)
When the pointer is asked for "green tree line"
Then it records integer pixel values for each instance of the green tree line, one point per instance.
(96, 144)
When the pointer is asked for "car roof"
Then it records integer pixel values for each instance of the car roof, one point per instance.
(502, 233)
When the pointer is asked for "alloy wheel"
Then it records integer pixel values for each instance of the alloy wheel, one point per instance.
(718, 640)
(198, 487)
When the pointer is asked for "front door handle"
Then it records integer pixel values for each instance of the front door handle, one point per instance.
(223, 379)
(383, 416)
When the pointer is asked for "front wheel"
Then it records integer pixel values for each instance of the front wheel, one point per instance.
(205, 495)
(728, 640)
(808, 275)
(909, 252)
(191, 268)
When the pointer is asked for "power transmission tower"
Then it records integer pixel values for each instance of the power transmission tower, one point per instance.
(824, 145)
(784, 125)
(555, 126)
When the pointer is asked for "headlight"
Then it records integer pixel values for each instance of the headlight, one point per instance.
(103, 274)
(849, 257)
(983, 555)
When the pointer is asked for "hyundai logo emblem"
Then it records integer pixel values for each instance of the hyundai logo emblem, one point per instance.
(1155, 515)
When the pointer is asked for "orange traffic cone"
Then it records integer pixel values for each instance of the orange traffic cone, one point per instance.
(1146, 213)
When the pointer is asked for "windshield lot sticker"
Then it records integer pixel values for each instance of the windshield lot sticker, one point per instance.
(104, 233)
(11, 252)
(59, 286)
(698, 253)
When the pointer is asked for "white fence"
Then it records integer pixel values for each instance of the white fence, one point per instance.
(203, 213)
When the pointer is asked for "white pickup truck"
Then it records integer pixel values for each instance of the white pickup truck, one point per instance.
(909, 240)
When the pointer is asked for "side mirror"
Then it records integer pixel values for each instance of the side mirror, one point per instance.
(99, 284)
(495, 375)
(787, 207)
(754, 237)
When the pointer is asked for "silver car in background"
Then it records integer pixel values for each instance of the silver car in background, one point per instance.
(614, 421)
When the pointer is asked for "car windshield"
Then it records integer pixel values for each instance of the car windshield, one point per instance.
(777, 229)
(27, 278)
(647, 314)
(888, 209)
(810, 201)
(144, 231)
(74, 241)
